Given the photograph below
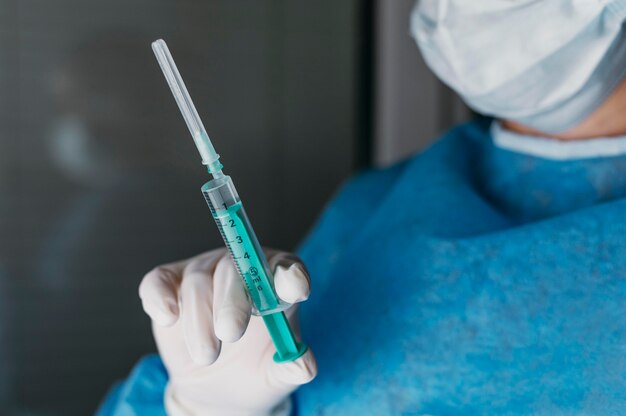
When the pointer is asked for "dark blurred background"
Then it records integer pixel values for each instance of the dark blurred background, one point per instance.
(99, 178)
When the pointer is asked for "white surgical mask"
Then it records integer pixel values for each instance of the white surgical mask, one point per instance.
(546, 64)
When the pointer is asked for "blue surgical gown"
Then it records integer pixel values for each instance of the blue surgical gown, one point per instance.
(467, 280)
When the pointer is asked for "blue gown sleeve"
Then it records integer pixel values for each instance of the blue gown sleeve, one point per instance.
(139, 395)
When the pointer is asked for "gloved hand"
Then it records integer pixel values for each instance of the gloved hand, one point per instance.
(219, 359)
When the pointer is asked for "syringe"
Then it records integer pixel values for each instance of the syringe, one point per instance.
(232, 221)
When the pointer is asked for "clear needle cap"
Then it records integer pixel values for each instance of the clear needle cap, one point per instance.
(183, 99)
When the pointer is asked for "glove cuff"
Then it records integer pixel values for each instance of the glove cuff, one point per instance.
(175, 406)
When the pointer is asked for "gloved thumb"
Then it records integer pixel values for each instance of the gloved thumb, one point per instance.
(294, 373)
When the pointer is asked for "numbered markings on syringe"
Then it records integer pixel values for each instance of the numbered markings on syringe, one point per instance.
(256, 279)
(234, 240)
(240, 254)
(251, 272)
(247, 261)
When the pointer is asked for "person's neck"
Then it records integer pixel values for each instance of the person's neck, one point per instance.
(608, 120)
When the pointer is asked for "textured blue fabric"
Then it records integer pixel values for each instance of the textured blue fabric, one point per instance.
(141, 394)
(469, 280)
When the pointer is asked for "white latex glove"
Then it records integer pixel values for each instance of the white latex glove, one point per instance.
(219, 359)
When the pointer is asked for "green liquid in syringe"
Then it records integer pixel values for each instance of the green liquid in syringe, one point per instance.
(236, 232)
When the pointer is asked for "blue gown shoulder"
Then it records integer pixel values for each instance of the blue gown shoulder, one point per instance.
(141, 394)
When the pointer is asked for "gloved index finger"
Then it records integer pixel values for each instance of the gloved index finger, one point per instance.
(231, 305)
(196, 294)
(158, 292)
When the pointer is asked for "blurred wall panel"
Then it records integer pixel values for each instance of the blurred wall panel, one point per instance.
(100, 179)
(9, 236)
(412, 108)
(319, 136)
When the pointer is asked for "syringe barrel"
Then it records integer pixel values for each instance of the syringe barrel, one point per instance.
(252, 265)
(239, 237)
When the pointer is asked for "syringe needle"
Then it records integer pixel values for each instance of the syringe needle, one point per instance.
(183, 99)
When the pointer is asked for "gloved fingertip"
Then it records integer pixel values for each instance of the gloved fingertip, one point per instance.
(230, 324)
(157, 292)
(173, 308)
(161, 314)
(205, 356)
(292, 284)
(297, 372)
